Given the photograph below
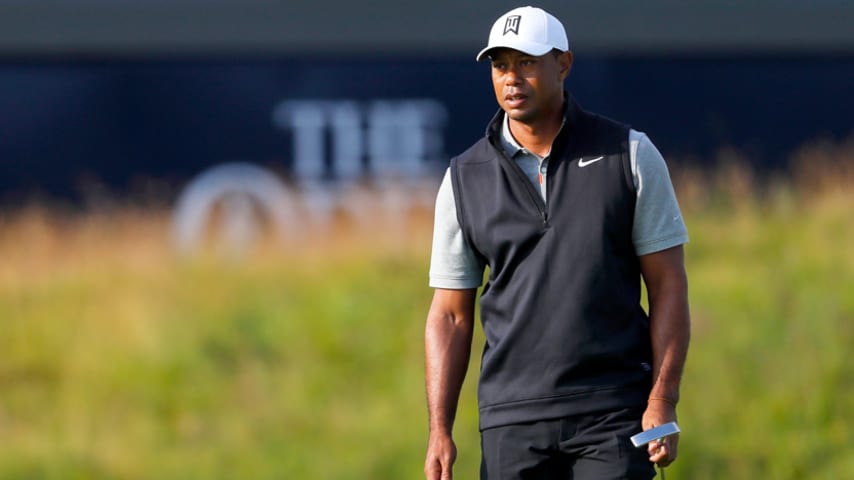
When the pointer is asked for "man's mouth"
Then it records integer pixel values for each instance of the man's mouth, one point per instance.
(514, 100)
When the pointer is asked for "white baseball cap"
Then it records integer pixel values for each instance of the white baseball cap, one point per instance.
(530, 30)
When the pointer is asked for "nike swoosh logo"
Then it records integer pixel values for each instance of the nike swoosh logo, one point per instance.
(582, 163)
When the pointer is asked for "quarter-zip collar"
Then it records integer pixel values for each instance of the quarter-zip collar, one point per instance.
(570, 115)
(499, 136)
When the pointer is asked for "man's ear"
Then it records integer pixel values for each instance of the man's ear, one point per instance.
(565, 62)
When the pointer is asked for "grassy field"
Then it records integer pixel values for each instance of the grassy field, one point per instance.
(122, 360)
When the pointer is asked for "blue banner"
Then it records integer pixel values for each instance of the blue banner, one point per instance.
(64, 123)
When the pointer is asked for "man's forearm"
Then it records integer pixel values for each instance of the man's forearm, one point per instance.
(447, 350)
(670, 334)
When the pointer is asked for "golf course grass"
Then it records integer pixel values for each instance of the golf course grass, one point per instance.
(123, 360)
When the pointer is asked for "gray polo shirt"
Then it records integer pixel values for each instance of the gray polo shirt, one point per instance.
(658, 223)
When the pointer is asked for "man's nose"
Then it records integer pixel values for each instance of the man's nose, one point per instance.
(512, 77)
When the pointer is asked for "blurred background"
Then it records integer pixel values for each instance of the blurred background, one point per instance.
(216, 217)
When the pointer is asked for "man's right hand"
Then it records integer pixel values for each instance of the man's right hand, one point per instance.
(441, 455)
(447, 347)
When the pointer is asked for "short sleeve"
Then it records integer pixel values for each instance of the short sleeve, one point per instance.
(453, 263)
(658, 223)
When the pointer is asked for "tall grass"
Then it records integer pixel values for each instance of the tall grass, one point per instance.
(123, 360)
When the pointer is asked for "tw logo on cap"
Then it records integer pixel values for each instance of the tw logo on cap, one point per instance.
(512, 24)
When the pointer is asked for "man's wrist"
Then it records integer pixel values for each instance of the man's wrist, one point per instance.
(441, 429)
(440, 434)
(664, 399)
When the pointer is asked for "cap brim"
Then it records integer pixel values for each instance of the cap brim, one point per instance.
(530, 48)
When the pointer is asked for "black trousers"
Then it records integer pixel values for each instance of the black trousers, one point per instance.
(584, 447)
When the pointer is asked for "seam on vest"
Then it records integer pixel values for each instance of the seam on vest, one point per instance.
(585, 391)
(626, 160)
(456, 186)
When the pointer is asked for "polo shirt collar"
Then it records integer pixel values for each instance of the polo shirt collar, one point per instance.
(508, 143)
(498, 129)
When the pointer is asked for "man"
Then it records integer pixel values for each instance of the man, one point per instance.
(569, 210)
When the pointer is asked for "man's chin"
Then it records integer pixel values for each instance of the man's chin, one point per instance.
(519, 115)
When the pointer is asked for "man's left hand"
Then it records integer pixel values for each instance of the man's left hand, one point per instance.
(662, 452)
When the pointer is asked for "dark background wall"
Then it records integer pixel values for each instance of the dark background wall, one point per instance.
(116, 91)
(445, 27)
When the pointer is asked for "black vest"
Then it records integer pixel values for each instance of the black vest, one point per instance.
(565, 332)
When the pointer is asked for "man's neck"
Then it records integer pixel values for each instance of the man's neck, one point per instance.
(536, 137)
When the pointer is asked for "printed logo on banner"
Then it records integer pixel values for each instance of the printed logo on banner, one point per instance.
(347, 139)
(337, 145)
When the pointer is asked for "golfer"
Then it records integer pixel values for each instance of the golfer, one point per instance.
(570, 211)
